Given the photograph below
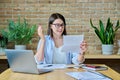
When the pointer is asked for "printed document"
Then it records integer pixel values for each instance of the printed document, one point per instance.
(88, 75)
(72, 43)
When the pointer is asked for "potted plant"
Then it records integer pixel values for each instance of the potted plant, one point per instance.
(106, 34)
(20, 32)
(3, 41)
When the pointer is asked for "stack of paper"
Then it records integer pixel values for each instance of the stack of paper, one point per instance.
(94, 67)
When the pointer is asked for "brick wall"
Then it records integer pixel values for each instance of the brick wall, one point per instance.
(76, 12)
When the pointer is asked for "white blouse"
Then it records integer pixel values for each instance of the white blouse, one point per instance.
(59, 57)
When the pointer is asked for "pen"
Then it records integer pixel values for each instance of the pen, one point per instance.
(49, 65)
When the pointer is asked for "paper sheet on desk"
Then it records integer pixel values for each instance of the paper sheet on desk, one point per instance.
(57, 66)
(87, 76)
(51, 66)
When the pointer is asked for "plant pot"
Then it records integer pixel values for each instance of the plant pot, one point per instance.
(107, 49)
(118, 47)
(20, 47)
(2, 51)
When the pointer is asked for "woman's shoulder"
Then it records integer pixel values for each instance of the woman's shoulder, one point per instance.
(48, 38)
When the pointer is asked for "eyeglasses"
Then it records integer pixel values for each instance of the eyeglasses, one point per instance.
(58, 25)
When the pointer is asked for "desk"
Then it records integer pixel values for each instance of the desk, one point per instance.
(88, 56)
(54, 75)
(110, 60)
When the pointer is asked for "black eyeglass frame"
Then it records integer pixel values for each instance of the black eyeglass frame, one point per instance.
(59, 25)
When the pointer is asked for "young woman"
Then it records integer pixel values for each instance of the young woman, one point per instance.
(49, 47)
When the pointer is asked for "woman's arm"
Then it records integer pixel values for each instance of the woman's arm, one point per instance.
(83, 48)
(40, 52)
(77, 58)
(81, 58)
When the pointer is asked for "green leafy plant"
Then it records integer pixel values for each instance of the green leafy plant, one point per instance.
(3, 39)
(106, 34)
(20, 32)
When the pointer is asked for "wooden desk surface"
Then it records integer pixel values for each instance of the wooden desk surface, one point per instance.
(88, 56)
(54, 75)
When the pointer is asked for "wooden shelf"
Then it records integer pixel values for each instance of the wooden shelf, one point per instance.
(3, 57)
(100, 56)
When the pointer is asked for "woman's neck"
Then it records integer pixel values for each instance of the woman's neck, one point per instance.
(56, 37)
(58, 40)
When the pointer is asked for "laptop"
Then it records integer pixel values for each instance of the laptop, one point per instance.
(23, 61)
(72, 43)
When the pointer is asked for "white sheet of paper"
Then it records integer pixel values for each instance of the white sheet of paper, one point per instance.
(87, 76)
(51, 66)
(57, 66)
(72, 43)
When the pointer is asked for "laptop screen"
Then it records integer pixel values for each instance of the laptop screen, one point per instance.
(21, 61)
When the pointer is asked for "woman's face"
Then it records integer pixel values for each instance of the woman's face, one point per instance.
(57, 27)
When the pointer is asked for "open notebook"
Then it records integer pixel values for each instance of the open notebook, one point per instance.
(94, 67)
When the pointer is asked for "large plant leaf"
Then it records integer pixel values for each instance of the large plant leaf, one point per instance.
(117, 26)
(99, 33)
(108, 23)
(101, 30)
